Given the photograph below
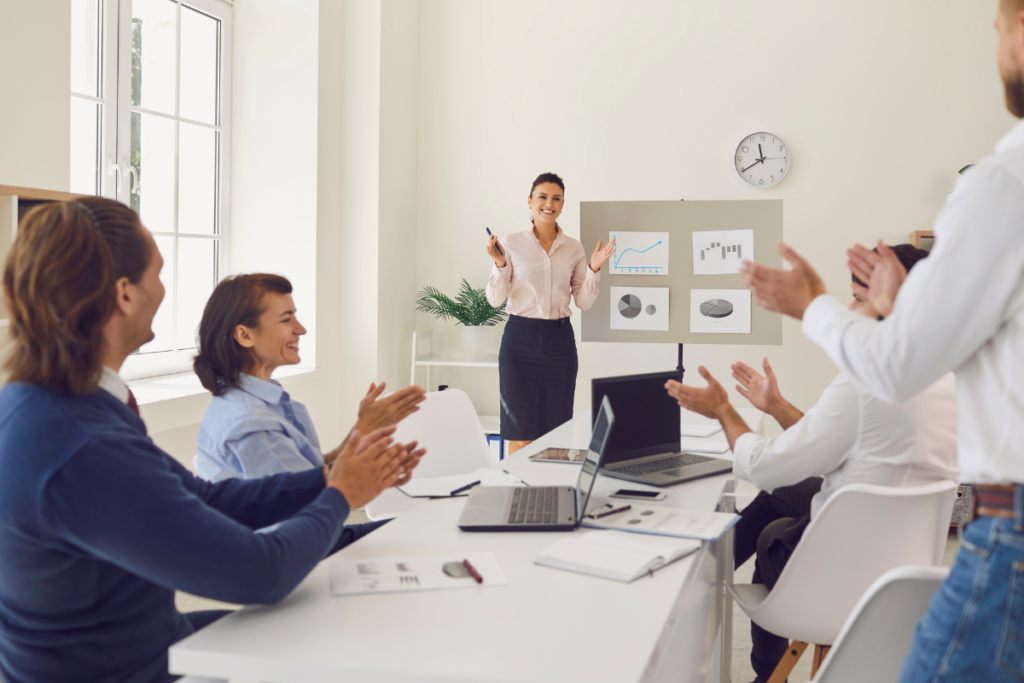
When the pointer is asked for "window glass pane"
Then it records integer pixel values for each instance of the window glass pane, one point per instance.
(152, 155)
(197, 178)
(85, 147)
(196, 271)
(163, 321)
(199, 59)
(85, 32)
(154, 35)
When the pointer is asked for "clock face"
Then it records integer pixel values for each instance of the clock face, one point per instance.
(762, 159)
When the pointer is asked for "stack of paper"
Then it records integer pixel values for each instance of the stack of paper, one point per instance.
(417, 573)
(443, 487)
(615, 555)
(666, 521)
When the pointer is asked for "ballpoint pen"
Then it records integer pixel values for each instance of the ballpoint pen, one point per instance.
(514, 477)
(472, 571)
(599, 515)
(464, 488)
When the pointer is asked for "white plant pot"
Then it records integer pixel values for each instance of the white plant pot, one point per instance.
(474, 342)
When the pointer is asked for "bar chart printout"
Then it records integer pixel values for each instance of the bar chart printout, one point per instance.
(639, 253)
(720, 252)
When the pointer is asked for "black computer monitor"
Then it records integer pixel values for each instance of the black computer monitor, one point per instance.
(646, 417)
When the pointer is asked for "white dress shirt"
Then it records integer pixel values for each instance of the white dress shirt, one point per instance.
(851, 437)
(539, 284)
(960, 309)
(112, 383)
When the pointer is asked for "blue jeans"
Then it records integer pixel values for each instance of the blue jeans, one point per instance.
(974, 627)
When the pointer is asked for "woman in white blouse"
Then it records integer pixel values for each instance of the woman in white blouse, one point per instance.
(538, 271)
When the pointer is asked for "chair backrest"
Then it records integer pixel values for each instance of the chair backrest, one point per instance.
(448, 427)
(877, 636)
(860, 533)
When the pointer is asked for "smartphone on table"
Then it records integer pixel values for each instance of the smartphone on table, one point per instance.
(635, 494)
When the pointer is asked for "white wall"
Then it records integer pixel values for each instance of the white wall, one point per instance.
(880, 102)
(274, 93)
(396, 277)
(35, 93)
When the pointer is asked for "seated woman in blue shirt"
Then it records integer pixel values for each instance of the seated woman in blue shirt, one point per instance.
(252, 427)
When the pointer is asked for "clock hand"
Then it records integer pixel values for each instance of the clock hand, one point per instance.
(760, 152)
(752, 166)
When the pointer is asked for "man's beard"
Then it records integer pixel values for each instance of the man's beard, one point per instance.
(1015, 95)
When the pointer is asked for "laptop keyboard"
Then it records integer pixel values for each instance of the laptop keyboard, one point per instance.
(669, 463)
(534, 505)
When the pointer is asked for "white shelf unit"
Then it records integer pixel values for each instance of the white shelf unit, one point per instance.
(423, 356)
(15, 201)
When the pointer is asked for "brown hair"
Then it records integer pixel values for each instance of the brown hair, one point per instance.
(58, 287)
(238, 300)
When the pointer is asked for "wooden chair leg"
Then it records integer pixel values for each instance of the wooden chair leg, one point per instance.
(788, 661)
(820, 652)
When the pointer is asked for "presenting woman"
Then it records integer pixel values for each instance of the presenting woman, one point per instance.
(253, 428)
(538, 271)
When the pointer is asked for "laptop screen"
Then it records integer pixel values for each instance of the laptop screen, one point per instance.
(647, 418)
(598, 444)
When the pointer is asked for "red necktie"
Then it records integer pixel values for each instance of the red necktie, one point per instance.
(132, 403)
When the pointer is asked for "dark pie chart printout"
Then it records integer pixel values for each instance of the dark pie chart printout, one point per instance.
(715, 308)
(630, 306)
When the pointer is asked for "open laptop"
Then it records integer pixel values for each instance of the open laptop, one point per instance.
(540, 508)
(645, 445)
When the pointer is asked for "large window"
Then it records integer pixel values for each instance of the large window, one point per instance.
(166, 152)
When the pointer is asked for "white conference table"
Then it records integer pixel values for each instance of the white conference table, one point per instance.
(545, 625)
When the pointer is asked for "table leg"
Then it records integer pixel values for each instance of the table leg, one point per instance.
(725, 668)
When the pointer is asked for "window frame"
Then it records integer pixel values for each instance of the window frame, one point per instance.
(153, 364)
(106, 48)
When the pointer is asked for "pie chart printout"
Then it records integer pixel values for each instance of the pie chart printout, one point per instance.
(629, 306)
(639, 308)
(716, 308)
(720, 311)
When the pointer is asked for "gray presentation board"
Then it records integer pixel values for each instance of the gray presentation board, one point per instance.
(681, 219)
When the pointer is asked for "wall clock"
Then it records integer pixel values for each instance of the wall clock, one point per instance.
(762, 159)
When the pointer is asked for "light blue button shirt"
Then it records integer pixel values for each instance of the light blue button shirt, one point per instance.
(254, 431)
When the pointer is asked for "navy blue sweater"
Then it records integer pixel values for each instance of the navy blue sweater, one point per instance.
(99, 527)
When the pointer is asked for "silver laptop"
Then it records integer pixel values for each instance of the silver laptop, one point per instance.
(540, 508)
(645, 446)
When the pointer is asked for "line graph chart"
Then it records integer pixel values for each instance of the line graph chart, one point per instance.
(639, 253)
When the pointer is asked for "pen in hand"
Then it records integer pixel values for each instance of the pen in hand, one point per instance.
(498, 246)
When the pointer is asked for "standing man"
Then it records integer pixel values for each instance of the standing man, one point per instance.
(961, 309)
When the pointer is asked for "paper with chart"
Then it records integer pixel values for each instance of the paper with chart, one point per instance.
(639, 308)
(639, 253)
(720, 311)
(417, 573)
(720, 252)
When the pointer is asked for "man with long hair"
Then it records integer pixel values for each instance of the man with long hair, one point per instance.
(100, 526)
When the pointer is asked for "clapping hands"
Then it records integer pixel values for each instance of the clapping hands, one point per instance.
(883, 273)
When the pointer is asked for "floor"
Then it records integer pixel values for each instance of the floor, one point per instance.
(741, 671)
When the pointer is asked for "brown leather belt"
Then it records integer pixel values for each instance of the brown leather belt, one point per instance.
(993, 500)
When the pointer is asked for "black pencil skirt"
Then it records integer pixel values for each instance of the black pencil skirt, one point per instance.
(537, 368)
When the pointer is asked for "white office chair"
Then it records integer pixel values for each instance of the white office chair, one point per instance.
(861, 532)
(877, 636)
(448, 427)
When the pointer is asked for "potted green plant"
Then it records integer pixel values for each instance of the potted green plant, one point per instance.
(470, 309)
